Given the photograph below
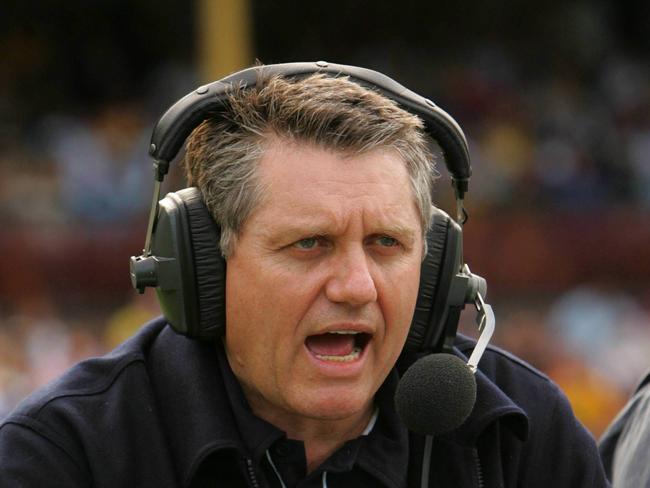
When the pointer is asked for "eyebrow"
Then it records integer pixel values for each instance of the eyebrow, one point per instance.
(288, 233)
(285, 233)
(406, 234)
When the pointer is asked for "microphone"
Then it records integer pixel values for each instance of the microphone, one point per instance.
(437, 393)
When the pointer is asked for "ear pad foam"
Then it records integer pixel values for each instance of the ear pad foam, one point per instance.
(431, 273)
(209, 267)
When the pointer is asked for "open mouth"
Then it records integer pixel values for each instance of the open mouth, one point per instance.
(339, 346)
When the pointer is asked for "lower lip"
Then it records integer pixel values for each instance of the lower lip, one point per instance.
(339, 368)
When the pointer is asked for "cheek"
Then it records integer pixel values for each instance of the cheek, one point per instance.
(264, 307)
(398, 298)
(244, 329)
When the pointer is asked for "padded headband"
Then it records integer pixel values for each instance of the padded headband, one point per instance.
(180, 120)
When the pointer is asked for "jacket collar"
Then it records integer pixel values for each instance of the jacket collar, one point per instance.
(193, 406)
(254, 433)
(492, 403)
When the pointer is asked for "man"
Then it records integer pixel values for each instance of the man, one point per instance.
(322, 191)
(625, 445)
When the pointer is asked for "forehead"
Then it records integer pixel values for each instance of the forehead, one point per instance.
(302, 180)
(290, 162)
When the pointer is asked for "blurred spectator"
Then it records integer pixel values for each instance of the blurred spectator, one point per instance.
(36, 346)
(639, 157)
(126, 319)
(101, 162)
(29, 192)
(601, 326)
(527, 333)
(14, 382)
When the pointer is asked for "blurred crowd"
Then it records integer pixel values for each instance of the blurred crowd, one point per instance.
(38, 343)
(560, 139)
(593, 341)
(559, 142)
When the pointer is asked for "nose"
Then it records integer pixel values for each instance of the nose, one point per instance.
(351, 280)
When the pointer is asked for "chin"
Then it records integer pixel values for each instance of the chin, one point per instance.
(336, 405)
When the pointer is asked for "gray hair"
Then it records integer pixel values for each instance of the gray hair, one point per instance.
(332, 113)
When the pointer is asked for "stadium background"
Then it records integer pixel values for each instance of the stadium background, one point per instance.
(553, 96)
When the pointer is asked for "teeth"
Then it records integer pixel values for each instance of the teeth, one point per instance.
(343, 332)
(341, 359)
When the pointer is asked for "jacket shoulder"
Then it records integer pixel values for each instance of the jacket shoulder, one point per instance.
(495, 359)
(91, 377)
(558, 450)
(539, 397)
(102, 408)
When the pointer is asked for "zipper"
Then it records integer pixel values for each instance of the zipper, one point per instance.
(479, 469)
(250, 471)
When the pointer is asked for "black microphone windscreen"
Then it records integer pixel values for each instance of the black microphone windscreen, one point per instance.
(436, 394)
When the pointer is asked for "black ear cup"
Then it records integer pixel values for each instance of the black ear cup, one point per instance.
(191, 272)
(430, 320)
(209, 267)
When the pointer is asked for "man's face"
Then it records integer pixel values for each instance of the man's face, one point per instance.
(322, 283)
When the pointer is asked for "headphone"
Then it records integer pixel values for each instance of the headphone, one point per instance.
(182, 259)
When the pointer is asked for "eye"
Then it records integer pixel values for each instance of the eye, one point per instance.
(307, 243)
(387, 241)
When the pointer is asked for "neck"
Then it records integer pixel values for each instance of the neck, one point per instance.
(321, 437)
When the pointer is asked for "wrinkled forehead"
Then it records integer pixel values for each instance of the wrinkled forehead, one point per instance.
(306, 182)
(300, 162)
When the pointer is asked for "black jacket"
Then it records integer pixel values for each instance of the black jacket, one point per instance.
(155, 413)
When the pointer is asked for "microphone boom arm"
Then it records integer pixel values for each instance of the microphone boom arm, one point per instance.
(486, 323)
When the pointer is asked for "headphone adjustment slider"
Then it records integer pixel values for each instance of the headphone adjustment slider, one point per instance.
(476, 285)
(160, 169)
